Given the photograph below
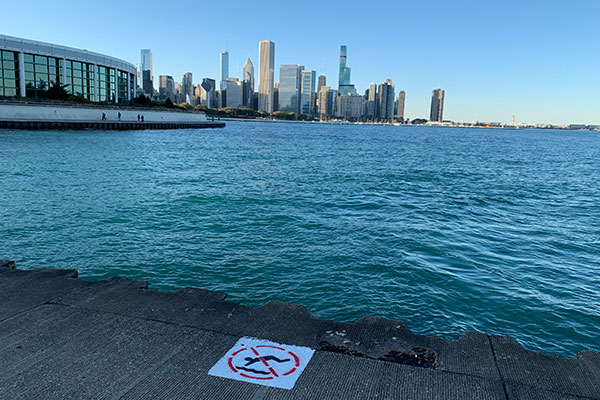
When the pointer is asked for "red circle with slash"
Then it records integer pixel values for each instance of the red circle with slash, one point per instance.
(263, 362)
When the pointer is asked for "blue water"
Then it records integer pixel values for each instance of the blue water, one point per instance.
(445, 229)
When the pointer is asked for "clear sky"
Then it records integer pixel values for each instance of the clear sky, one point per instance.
(536, 59)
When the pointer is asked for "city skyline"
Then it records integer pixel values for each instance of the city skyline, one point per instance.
(296, 92)
(496, 60)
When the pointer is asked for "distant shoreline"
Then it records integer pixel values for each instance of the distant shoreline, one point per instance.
(436, 125)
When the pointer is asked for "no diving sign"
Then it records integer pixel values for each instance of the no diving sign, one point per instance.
(263, 362)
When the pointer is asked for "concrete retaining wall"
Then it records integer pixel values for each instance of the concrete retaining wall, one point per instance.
(30, 112)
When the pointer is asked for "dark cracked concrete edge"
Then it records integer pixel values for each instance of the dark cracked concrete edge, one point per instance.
(368, 337)
(388, 340)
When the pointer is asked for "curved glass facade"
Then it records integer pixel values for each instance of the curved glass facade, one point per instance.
(29, 69)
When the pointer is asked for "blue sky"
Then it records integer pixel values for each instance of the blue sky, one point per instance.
(537, 60)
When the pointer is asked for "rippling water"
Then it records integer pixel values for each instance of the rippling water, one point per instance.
(445, 229)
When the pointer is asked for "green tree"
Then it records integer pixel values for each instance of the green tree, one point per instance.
(185, 106)
(142, 100)
(57, 91)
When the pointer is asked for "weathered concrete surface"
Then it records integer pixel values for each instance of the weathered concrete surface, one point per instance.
(64, 337)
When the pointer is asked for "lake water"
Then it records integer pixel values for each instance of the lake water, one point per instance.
(445, 229)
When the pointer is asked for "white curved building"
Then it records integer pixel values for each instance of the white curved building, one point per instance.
(28, 67)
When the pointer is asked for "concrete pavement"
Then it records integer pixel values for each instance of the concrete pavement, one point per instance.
(67, 338)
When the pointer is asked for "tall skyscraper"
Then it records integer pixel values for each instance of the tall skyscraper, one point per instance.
(290, 78)
(208, 94)
(322, 82)
(308, 96)
(276, 97)
(385, 100)
(350, 106)
(371, 106)
(235, 93)
(224, 69)
(166, 87)
(437, 105)
(332, 105)
(187, 85)
(326, 98)
(400, 107)
(266, 75)
(249, 74)
(344, 87)
(179, 97)
(147, 73)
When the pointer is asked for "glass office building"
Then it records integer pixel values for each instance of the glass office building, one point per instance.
(308, 96)
(28, 68)
(345, 87)
(289, 87)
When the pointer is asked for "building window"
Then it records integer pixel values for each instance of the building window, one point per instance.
(9, 73)
(122, 84)
(80, 79)
(40, 73)
(106, 84)
(131, 86)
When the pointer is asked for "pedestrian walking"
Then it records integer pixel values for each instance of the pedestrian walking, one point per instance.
(103, 116)
(138, 117)
(142, 117)
(119, 116)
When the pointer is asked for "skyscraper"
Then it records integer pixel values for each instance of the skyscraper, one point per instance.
(327, 98)
(249, 74)
(224, 69)
(179, 97)
(146, 68)
(322, 82)
(400, 108)
(350, 106)
(345, 86)
(371, 106)
(276, 96)
(235, 93)
(266, 75)
(166, 87)
(187, 85)
(290, 77)
(385, 100)
(208, 94)
(437, 105)
(308, 96)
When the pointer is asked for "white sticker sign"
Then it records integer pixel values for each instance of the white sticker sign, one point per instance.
(263, 362)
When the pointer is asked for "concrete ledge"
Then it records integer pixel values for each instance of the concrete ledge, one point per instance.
(61, 336)
(105, 125)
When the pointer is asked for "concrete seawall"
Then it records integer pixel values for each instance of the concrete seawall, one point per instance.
(105, 125)
(35, 116)
(64, 337)
(81, 112)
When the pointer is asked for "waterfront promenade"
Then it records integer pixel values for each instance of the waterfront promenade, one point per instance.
(64, 116)
(106, 125)
(64, 337)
